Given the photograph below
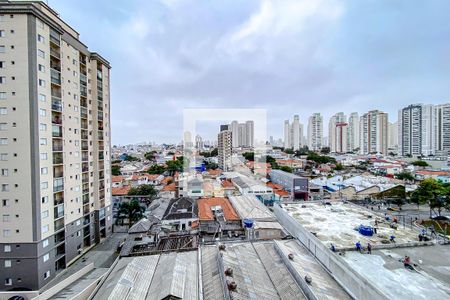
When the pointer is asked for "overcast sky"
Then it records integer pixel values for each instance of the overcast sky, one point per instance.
(289, 57)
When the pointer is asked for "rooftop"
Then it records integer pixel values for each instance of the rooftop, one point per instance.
(205, 208)
(338, 223)
(248, 207)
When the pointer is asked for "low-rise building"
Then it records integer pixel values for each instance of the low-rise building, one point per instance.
(218, 217)
(296, 185)
(181, 215)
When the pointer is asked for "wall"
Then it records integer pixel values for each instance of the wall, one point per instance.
(357, 286)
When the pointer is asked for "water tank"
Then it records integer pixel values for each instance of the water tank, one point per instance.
(365, 230)
(248, 223)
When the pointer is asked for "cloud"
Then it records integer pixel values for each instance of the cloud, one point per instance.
(290, 57)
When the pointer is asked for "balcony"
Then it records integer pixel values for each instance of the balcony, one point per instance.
(55, 53)
(58, 199)
(56, 119)
(84, 157)
(56, 104)
(100, 115)
(55, 39)
(86, 199)
(84, 124)
(56, 131)
(59, 224)
(57, 146)
(100, 135)
(84, 113)
(84, 134)
(85, 178)
(86, 210)
(58, 185)
(55, 65)
(101, 156)
(56, 92)
(83, 91)
(59, 238)
(85, 167)
(58, 172)
(59, 211)
(55, 77)
(83, 79)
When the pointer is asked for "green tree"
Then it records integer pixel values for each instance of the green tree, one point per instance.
(115, 170)
(211, 165)
(302, 151)
(289, 151)
(143, 190)
(130, 158)
(132, 211)
(325, 150)
(420, 163)
(156, 169)
(286, 169)
(405, 176)
(249, 156)
(429, 191)
(339, 167)
(150, 155)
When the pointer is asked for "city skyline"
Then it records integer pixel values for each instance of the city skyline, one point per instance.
(330, 71)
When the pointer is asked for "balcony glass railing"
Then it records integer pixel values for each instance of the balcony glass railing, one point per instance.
(57, 147)
(58, 185)
(58, 200)
(83, 91)
(56, 104)
(59, 211)
(84, 134)
(100, 115)
(84, 112)
(56, 131)
(56, 92)
(83, 79)
(59, 224)
(55, 53)
(58, 172)
(55, 39)
(55, 77)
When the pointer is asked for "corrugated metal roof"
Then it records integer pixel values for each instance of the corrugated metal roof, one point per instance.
(251, 208)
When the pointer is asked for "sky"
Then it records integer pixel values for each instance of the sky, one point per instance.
(288, 57)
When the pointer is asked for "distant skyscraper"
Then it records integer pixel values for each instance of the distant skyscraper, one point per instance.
(199, 142)
(242, 134)
(315, 132)
(353, 132)
(374, 132)
(224, 148)
(441, 136)
(337, 133)
(393, 136)
(224, 127)
(293, 134)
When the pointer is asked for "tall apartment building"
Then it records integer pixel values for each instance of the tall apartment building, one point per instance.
(337, 133)
(55, 145)
(224, 148)
(293, 134)
(374, 132)
(242, 134)
(415, 130)
(315, 132)
(393, 136)
(353, 132)
(441, 125)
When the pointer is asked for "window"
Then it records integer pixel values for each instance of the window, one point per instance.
(8, 281)
(43, 141)
(44, 170)
(2, 49)
(4, 172)
(4, 156)
(5, 203)
(44, 214)
(7, 264)
(41, 39)
(3, 111)
(6, 218)
(2, 64)
(3, 126)
(45, 228)
(42, 112)
(42, 97)
(7, 248)
(2, 79)
(5, 187)
(42, 82)
(3, 141)
(44, 243)
(44, 199)
(42, 127)
(2, 33)
(46, 257)
(41, 68)
(41, 53)
(44, 185)
(2, 95)
(6, 233)
(46, 274)
(44, 156)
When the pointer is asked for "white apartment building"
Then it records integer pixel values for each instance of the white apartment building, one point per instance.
(224, 148)
(374, 132)
(55, 145)
(337, 133)
(441, 136)
(393, 136)
(353, 132)
(293, 134)
(415, 130)
(242, 134)
(315, 132)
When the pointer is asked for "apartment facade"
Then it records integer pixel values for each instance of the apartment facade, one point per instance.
(374, 132)
(353, 132)
(441, 136)
(55, 146)
(293, 134)
(224, 148)
(315, 132)
(242, 134)
(337, 133)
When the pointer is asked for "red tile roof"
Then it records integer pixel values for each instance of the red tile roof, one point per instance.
(275, 186)
(170, 187)
(120, 191)
(117, 178)
(205, 212)
(227, 184)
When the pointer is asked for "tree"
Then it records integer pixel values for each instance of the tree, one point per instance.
(150, 155)
(420, 163)
(325, 150)
(339, 167)
(115, 170)
(286, 169)
(132, 211)
(144, 190)
(429, 191)
(302, 151)
(289, 151)
(211, 165)
(176, 165)
(212, 153)
(156, 169)
(130, 158)
(249, 156)
(405, 176)
(320, 159)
